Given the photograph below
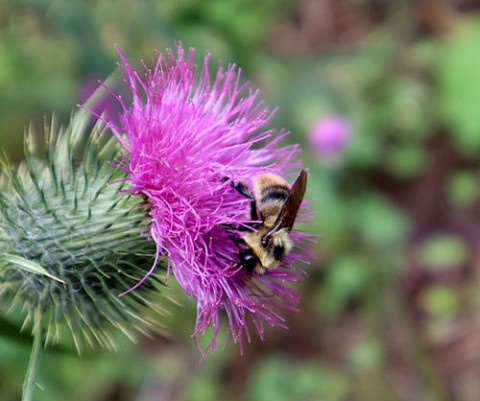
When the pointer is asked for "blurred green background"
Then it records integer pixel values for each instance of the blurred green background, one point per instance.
(390, 308)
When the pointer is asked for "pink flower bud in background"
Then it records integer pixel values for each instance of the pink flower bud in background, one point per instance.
(329, 135)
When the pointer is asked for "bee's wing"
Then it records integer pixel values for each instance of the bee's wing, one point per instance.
(289, 211)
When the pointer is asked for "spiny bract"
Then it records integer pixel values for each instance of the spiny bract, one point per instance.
(70, 243)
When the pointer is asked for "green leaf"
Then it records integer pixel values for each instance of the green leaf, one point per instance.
(462, 188)
(367, 354)
(407, 161)
(443, 250)
(345, 279)
(279, 378)
(459, 85)
(440, 301)
(379, 222)
(27, 265)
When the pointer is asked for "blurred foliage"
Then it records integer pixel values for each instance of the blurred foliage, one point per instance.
(390, 308)
(459, 85)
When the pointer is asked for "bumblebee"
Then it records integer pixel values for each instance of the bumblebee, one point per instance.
(273, 209)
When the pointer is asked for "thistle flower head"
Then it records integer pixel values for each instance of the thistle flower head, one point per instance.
(186, 136)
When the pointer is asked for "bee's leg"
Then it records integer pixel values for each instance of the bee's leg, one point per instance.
(254, 211)
(246, 257)
(239, 227)
(242, 189)
(223, 256)
(240, 244)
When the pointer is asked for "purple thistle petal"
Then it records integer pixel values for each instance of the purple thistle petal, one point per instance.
(184, 140)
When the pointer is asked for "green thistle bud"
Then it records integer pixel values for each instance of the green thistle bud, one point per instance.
(70, 242)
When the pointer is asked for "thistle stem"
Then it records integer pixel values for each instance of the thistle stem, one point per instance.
(29, 382)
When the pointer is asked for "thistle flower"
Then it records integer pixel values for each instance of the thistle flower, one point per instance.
(186, 138)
